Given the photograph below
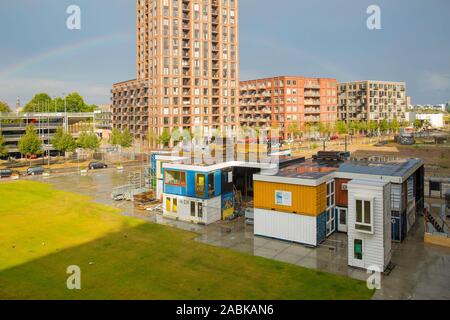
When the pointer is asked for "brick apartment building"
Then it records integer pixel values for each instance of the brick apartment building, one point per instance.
(280, 101)
(187, 72)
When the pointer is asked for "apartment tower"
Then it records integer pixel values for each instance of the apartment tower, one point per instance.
(278, 102)
(187, 71)
(372, 101)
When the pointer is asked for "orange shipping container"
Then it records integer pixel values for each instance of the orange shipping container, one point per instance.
(306, 200)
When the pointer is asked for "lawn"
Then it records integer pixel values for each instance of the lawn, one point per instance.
(44, 230)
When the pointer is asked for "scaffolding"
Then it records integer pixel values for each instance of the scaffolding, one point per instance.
(138, 182)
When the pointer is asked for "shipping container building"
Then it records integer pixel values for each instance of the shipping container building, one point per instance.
(307, 202)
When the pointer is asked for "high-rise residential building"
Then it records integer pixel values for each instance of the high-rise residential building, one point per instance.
(187, 65)
(409, 104)
(281, 101)
(372, 101)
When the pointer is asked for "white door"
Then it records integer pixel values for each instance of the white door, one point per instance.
(342, 219)
(358, 253)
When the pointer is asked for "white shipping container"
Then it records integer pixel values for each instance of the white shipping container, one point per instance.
(286, 226)
(193, 209)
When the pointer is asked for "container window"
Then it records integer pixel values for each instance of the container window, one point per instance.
(192, 209)
(175, 178)
(200, 210)
(211, 184)
(358, 249)
(343, 216)
(364, 216)
(175, 205)
(200, 184)
(358, 210)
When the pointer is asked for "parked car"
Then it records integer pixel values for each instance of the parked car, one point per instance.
(33, 171)
(334, 138)
(6, 173)
(97, 165)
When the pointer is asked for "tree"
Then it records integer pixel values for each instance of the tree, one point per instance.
(164, 138)
(363, 126)
(294, 130)
(384, 126)
(329, 128)
(74, 102)
(321, 128)
(372, 126)
(115, 138)
(395, 125)
(89, 141)
(126, 139)
(3, 149)
(418, 124)
(30, 144)
(341, 127)
(4, 108)
(404, 124)
(40, 103)
(63, 141)
(176, 135)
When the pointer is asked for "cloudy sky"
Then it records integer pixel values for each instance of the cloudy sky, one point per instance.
(321, 38)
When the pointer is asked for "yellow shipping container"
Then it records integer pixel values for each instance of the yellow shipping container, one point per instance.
(306, 200)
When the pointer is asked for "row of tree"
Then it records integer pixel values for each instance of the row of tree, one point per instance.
(351, 127)
(42, 102)
(73, 102)
(4, 108)
(30, 144)
(324, 129)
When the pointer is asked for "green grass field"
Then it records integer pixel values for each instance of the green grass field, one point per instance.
(43, 231)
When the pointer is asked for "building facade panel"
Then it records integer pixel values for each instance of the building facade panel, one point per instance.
(372, 101)
(279, 102)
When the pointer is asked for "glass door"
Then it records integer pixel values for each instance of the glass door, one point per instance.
(342, 219)
(331, 214)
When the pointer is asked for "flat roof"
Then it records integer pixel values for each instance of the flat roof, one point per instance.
(313, 173)
(384, 166)
(267, 167)
(308, 170)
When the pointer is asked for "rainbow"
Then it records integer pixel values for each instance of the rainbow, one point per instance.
(59, 51)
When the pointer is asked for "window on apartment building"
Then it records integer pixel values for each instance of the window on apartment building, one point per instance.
(364, 216)
(175, 178)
